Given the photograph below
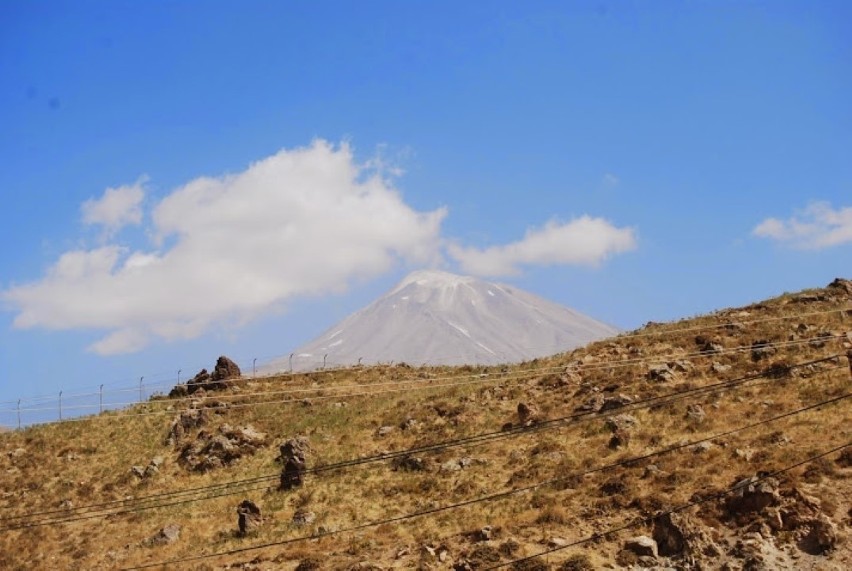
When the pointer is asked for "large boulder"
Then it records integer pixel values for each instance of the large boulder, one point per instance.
(224, 370)
(294, 455)
(248, 517)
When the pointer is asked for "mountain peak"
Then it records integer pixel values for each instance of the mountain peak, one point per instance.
(432, 279)
(437, 317)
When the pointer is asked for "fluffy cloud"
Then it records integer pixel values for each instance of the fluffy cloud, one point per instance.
(816, 227)
(583, 241)
(117, 207)
(301, 222)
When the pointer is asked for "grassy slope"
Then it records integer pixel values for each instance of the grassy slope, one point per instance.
(89, 461)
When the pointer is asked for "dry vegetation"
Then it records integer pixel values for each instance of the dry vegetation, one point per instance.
(66, 468)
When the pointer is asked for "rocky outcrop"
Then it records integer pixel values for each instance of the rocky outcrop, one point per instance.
(224, 370)
(210, 451)
(168, 534)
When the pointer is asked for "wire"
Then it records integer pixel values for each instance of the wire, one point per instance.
(503, 494)
(475, 439)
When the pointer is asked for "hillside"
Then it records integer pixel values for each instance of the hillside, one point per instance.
(717, 442)
(437, 318)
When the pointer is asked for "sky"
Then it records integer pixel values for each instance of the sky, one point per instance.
(182, 179)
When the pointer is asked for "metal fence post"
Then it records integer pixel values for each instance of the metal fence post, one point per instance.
(291, 362)
(101, 399)
(179, 370)
(19, 414)
(323, 360)
(254, 368)
(60, 405)
(140, 389)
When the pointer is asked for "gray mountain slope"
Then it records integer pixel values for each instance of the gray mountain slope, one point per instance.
(438, 318)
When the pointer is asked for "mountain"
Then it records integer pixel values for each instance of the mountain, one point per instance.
(438, 318)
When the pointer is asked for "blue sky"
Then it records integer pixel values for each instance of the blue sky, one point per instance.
(182, 180)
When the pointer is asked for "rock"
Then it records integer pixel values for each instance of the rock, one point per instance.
(761, 349)
(309, 564)
(702, 447)
(592, 404)
(151, 470)
(753, 495)
(384, 431)
(821, 538)
(612, 403)
(294, 454)
(225, 369)
(719, 368)
(842, 285)
(661, 373)
(695, 413)
(484, 534)
(744, 454)
(642, 545)
(138, 471)
(210, 451)
(409, 424)
(409, 464)
(456, 464)
(621, 422)
(619, 439)
(185, 421)
(179, 391)
(669, 534)
(845, 458)
(248, 517)
(304, 517)
(527, 414)
(168, 534)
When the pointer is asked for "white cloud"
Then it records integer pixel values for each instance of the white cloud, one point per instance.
(582, 241)
(816, 227)
(301, 222)
(117, 207)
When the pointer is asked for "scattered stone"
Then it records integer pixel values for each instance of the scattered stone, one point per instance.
(168, 534)
(592, 404)
(619, 439)
(138, 471)
(845, 458)
(702, 447)
(304, 517)
(484, 534)
(744, 454)
(618, 401)
(669, 533)
(695, 414)
(527, 414)
(642, 546)
(681, 366)
(309, 564)
(248, 517)
(719, 368)
(557, 542)
(409, 464)
(185, 421)
(762, 349)
(409, 424)
(620, 422)
(661, 373)
(753, 495)
(294, 453)
(456, 464)
(384, 431)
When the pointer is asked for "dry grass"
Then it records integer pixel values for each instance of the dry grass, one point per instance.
(89, 461)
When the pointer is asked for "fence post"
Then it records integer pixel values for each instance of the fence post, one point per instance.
(254, 368)
(101, 400)
(291, 362)
(359, 361)
(323, 360)
(60, 405)
(179, 370)
(140, 389)
(19, 414)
